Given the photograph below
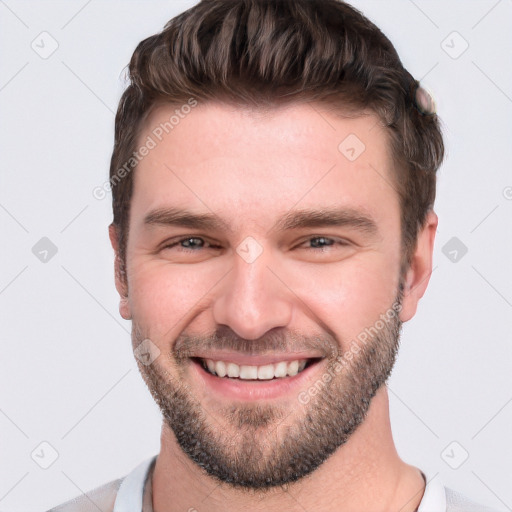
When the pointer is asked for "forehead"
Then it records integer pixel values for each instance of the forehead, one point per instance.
(310, 129)
(219, 157)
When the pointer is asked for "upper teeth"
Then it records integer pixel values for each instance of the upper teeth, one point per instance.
(265, 372)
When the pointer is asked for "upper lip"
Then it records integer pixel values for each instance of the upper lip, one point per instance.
(257, 360)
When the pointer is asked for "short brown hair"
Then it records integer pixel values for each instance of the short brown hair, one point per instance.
(264, 53)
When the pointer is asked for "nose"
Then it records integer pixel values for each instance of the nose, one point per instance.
(252, 299)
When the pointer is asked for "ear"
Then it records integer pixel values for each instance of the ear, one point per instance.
(120, 276)
(418, 274)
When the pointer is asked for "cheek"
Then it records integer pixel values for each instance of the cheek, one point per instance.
(351, 297)
(162, 296)
(347, 297)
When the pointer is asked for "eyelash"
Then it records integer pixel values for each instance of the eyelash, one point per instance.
(185, 249)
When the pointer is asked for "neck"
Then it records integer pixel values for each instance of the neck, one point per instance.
(365, 474)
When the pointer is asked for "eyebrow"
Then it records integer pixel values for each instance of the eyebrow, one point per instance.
(185, 218)
(297, 219)
(292, 220)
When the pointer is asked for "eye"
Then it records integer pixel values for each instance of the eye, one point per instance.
(189, 244)
(322, 242)
(197, 245)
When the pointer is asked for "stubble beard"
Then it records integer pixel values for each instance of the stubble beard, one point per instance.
(252, 446)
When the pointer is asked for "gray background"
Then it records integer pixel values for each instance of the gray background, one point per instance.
(68, 377)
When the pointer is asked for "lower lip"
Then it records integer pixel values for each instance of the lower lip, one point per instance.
(238, 389)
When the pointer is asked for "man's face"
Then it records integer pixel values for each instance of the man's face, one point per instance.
(257, 289)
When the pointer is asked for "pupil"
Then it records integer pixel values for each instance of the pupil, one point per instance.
(187, 241)
(320, 242)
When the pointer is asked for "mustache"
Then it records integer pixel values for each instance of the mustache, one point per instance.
(282, 341)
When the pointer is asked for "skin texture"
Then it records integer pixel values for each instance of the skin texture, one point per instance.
(335, 451)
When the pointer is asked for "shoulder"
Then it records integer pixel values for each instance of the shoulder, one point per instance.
(457, 502)
(100, 498)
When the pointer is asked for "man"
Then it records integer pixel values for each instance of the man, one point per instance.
(273, 181)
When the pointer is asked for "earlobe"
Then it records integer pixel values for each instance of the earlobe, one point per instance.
(418, 274)
(120, 278)
(124, 308)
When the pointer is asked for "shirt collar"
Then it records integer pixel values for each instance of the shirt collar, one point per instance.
(434, 497)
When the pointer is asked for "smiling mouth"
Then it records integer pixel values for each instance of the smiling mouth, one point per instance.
(255, 373)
